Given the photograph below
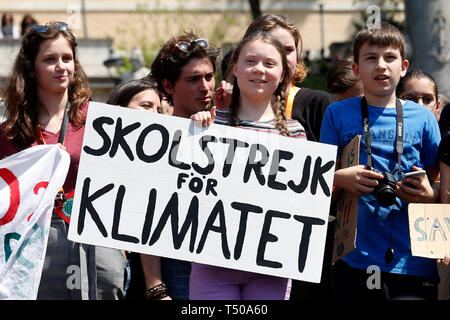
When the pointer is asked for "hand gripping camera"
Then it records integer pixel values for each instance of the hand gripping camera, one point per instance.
(385, 190)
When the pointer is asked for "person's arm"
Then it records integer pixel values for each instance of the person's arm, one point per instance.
(151, 266)
(444, 191)
(445, 197)
(222, 95)
(356, 179)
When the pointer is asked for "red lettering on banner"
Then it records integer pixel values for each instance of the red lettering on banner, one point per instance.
(37, 187)
(14, 199)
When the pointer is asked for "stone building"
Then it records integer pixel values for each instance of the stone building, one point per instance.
(125, 24)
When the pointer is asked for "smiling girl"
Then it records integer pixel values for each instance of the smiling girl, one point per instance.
(261, 78)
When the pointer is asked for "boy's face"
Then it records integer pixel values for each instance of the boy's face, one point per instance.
(379, 69)
(193, 91)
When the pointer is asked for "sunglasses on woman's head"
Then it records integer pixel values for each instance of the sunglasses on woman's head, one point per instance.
(184, 48)
(60, 26)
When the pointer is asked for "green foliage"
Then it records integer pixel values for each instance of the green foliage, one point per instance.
(142, 19)
(315, 81)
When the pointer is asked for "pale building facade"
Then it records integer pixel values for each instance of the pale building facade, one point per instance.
(149, 23)
(133, 22)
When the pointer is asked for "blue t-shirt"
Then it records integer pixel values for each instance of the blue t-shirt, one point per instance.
(376, 224)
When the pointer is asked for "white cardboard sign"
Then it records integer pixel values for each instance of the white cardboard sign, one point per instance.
(222, 196)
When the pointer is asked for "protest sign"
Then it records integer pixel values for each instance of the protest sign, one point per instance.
(222, 196)
(429, 228)
(346, 207)
(29, 182)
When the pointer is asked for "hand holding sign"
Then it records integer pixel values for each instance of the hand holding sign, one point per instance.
(204, 118)
(156, 185)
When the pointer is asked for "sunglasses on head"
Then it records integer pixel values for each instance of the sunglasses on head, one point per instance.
(183, 48)
(60, 26)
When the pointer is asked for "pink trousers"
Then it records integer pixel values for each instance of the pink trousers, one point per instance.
(216, 283)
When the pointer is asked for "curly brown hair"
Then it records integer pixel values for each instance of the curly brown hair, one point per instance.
(169, 66)
(21, 91)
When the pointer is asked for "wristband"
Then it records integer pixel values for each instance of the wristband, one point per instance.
(157, 292)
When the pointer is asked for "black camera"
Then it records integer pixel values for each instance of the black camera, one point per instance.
(385, 190)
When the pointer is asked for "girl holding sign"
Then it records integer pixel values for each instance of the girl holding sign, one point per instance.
(261, 78)
(145, 270)
(47, 98)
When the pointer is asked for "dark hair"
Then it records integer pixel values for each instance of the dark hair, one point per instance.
(122, 94)
(167, 66)
(386, 36)
(267, 23)
(279, 97)
(4, 18)
(27, 22)
(341, 76)
(21, 91)
(415, 74)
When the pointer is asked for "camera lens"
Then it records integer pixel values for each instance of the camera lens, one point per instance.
(385, 191)
(386, 196)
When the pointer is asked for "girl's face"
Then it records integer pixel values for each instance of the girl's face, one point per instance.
(54, 65)
(420, 91)
(259, 69)
(146, 100)
(287, 40)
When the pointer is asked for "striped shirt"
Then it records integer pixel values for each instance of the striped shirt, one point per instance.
(294, 127)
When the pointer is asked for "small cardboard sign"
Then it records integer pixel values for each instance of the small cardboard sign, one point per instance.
(346, 207)
(429, 229)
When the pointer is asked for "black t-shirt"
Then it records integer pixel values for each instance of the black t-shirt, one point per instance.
(444, 120)
(444, 149)
(309, 108)
(444, 126)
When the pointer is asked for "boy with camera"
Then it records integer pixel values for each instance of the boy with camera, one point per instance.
(398, 137)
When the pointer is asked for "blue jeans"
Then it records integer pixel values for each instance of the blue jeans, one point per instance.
(175, 274)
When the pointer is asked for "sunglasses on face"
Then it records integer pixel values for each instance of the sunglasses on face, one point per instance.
(60, 26)
(184, 48)
(426, 99)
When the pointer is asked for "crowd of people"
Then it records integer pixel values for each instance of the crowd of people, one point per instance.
(260, 89)
(9, 29)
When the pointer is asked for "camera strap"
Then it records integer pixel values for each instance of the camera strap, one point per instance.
(368, 138)
(62, 133)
